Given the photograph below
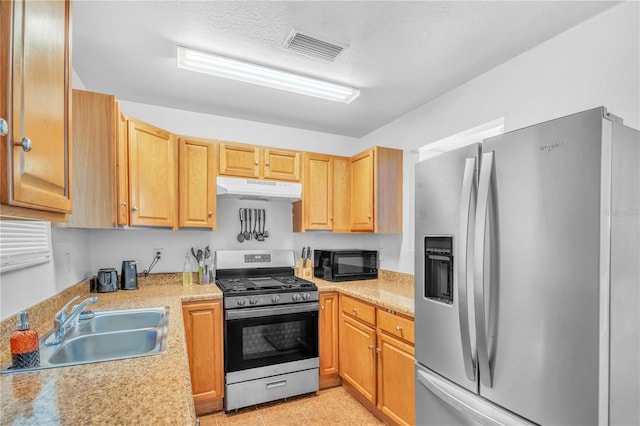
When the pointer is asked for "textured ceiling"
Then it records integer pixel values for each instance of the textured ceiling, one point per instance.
(400, 54)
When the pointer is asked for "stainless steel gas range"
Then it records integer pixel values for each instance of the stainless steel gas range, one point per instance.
(270, 328)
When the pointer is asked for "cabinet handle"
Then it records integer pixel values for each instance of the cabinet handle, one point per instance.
(257, 162)
(354, 310)
(370, 346)
(322, 307)
(368, 216)
(123, 204)
(266, 164)
(134, 209)
(378, 350)
(4, 127)
(209, 214)
(25, 143)
(398, 328)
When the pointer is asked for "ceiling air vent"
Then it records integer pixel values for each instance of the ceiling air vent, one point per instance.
(311, 45)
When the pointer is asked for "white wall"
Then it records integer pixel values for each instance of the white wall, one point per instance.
(595, 63)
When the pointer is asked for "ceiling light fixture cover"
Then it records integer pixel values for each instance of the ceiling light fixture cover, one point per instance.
(220, 66)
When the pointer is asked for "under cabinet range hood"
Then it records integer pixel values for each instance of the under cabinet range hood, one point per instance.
(253, 189)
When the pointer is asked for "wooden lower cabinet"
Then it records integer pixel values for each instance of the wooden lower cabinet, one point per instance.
(204, 338)
(396, 387)
(377, 360)
(357, 356)
(328, 324)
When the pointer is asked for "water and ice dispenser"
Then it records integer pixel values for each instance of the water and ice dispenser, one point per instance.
(438, 268)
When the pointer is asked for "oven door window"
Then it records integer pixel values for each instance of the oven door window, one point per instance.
(257, 342)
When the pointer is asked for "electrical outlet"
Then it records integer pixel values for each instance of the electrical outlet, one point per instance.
(381, 254)
(158, 252)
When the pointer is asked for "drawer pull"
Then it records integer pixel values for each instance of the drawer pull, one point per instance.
(370, 346)
(354, 310)
(276, 384)
(378, 350)
(398, 328)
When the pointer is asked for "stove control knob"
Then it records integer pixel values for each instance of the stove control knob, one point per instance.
(253, 300)
(296, 297)
(240, 302)
(275, 298)
(306, 296)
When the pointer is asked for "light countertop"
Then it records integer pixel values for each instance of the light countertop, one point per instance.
(150, 390)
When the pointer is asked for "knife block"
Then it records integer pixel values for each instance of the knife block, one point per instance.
(304, 272)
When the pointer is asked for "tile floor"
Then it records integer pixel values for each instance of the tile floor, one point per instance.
(327, 407)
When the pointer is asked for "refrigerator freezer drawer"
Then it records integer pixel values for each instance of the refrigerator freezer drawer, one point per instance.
(441, 402)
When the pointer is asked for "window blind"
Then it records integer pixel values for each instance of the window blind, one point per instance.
(24, 243)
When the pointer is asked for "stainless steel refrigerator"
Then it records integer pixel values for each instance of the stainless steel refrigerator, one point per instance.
(527, 277)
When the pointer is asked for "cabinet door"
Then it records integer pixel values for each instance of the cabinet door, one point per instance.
(328, 332)
(197, 186)
(152, 175)
(122, 169)
(37, 104)
(357, 356)
(239, 160)
(341, 194)
(318, 191)
(94, 167)
(203, 335)
(362, 191)
(396, 386)
(281, 165)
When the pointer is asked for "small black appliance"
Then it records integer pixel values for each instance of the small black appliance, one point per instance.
(129, 276)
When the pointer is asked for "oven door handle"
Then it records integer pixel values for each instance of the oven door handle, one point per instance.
(271, 311)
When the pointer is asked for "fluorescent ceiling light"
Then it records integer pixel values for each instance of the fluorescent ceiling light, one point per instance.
(209, 63)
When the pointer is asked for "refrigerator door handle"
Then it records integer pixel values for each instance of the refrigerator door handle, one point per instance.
(468, 403)
(468, 186)
(479, 252)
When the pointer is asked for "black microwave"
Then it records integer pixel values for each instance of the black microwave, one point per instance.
(345, 265)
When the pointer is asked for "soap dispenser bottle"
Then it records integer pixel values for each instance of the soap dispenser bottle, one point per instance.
(187, 276)
(25, 345)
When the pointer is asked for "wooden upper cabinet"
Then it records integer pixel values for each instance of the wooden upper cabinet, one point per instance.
(250, 161)
(239, 160)
(196, 183)
(325, 197)
(376, 190)
(95, 134)
(36, 103)
(318, 191)
(122, 169)
(281, 164)
(362, 188)
(152, 175)
(341, 194)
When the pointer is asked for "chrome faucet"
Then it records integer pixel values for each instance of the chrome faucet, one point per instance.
(63, 323)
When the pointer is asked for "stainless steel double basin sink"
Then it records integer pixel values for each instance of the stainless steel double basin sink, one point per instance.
(108, 336)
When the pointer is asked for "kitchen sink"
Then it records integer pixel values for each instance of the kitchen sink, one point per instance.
(108, 346)
(128, 319)
(106, 336)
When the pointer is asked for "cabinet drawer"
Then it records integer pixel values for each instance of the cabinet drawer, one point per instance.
(396, 325)
(361, 310)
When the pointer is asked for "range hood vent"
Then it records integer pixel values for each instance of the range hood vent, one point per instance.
(252, 189)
